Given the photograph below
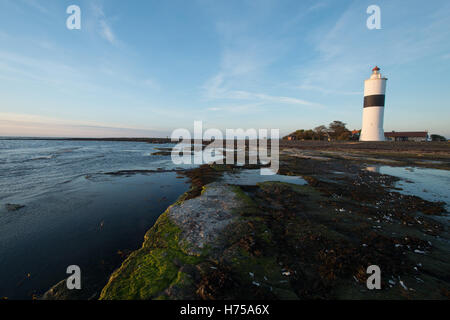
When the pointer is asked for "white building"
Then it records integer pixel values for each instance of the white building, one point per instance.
(418, 136)
(373, 112)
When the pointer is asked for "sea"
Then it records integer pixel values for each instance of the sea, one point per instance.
(71, 209)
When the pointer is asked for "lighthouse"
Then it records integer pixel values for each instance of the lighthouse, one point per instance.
(373, 111)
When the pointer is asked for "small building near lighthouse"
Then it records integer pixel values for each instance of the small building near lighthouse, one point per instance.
(373, 111)
(417, 136)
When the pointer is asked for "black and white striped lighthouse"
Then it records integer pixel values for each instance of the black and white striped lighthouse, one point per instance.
(373, 112)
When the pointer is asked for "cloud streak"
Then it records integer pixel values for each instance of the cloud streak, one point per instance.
(245, 57)
(105, 29)
(36, 5)
(106, 32)
(349, 47)
(12, 124)
(215, 90)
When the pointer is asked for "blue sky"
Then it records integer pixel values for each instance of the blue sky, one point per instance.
(144, 68)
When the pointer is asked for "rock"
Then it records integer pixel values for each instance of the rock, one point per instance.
(13, 207)
(60, 292)
(203, 218)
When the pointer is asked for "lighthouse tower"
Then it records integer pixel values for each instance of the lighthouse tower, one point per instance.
(373, 112)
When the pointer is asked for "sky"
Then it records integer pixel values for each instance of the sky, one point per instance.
(145, 68)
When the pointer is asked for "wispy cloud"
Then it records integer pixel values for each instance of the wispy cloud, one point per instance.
(106, 32)
(152, 84)
(329, 91)
(216, 89)
(104, 27)
(347, 47)
(246, 57)
(318, 5)
(245, 95)
(36, 5)
(12, 124)
(112, 70)
(238, 108)
(290, 23)
(43, 70)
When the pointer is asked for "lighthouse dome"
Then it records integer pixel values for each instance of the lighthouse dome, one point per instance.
(375, 73)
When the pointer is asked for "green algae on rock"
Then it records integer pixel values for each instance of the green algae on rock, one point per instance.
(176, 243)
(276, 240)
(147, 272)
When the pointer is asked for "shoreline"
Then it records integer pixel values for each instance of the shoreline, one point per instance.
(329, 198)
(284, 241)
(147, 140)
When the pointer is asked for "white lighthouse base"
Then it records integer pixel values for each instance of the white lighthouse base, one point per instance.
(372, 126)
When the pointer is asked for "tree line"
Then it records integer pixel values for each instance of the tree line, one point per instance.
(336, 130)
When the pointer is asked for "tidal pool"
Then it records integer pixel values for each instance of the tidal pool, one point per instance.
(428, 184)
(249, 177)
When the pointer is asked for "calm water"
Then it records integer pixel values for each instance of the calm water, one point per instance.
(74, 213)
(426, 183)
(254, 176)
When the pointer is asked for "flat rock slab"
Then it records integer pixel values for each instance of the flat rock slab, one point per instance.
(203, 218)
(304, 155)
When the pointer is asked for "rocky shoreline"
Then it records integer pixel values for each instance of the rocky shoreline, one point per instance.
(277, 240)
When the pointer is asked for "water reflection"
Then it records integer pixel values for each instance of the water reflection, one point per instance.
(426, 183)
(250, 177)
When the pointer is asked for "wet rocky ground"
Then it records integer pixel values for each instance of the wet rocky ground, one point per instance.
(275, 240)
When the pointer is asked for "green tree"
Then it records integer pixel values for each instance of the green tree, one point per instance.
(321, 132)
(338, 131)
